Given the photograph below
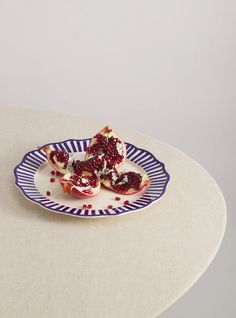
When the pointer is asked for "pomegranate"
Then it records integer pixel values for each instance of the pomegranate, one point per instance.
(108, 147)
(81, 186)
(105, 153)
(125, 182)
(58, 159)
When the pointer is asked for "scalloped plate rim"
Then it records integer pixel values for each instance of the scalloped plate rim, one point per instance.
(93, 216)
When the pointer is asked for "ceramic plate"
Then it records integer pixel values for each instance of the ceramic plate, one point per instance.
(33, 178)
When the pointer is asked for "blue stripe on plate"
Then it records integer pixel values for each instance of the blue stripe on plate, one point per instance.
(67, 148)
(79, 147)
(72, 142)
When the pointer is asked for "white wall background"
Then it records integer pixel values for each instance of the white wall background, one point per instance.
(167, 68)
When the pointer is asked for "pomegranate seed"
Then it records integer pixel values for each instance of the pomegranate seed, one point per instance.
(48, 193)
(52, 180)
(84, 206)
(126, 202)
(117, 198)
(110, 206)
(89, 206)
(58, 173)
(52, 172)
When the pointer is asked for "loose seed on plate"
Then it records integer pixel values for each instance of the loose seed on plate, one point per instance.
(110, 206)
(52, 172)
(89, 206)
(48, 193)
(52, 180)
(117, 198)
(126, 202)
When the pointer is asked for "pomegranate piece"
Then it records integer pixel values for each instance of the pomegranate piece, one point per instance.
(108, 147)
(126, 182)
(58, 159)
(81, 186)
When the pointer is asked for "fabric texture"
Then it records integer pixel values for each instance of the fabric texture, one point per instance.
(132, 266)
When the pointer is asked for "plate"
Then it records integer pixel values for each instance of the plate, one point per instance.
(32, 177)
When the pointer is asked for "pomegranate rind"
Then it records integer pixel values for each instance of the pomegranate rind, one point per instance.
(107, 132)
(58, 166)
(78, 192)
(145, 182)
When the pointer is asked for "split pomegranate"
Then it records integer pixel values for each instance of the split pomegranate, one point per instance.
(108, 147)
(125, 182)
(81, 186)
(105, 153)
(58, 159)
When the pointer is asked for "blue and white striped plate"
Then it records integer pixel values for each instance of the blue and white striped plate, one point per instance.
(33, 178)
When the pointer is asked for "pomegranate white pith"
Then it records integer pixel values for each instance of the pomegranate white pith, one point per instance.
(84, 186)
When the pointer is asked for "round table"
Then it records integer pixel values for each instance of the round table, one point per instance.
(134, 265)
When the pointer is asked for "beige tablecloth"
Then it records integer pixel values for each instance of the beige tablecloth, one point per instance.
(132, 266)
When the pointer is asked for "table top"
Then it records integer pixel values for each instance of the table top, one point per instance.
(131, 266)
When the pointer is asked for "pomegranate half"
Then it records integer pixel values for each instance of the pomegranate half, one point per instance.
(81, 186)
(58, 159)
(125, 182)
(108, 147)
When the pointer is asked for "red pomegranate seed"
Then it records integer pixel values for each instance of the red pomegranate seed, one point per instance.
(117, 198)
(52, 172)
(84, 206)
(52, 180)
(89, 206)
(48, 193)
(110, 206)
(126, 202)
(58, 173)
